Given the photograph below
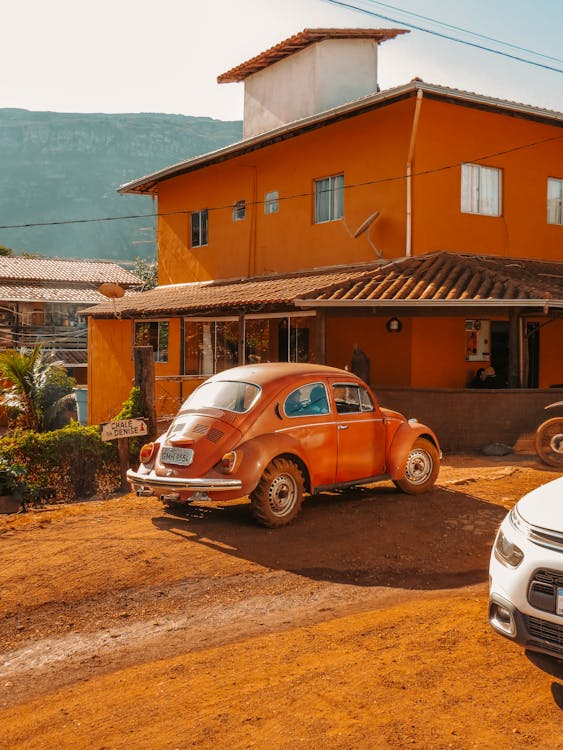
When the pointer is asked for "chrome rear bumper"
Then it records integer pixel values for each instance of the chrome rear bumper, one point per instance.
(163, 485)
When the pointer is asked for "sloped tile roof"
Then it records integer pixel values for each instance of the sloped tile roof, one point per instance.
(298, 42)
(234, 295)
(18, 269)
(448, 277)
(49, 292)
(442, 278)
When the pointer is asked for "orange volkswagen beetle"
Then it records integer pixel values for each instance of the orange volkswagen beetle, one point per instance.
(278, 430)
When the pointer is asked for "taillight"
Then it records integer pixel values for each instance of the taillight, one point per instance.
(228, 462)
(147, 452)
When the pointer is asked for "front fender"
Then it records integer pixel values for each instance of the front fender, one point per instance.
(402, 442)
(258, 452)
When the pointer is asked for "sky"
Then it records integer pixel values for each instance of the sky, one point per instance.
(146, 56)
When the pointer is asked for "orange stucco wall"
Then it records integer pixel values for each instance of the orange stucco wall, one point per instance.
(449, 135)
(371, 150)
(112, 375)
(551, 343)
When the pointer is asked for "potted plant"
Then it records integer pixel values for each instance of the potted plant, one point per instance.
(13, 486)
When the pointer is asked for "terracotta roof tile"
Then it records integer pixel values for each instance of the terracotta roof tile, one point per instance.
(56, 270)
(451, 276)
(231, 295)
(299, 41)
(44, 292)
(436, 277)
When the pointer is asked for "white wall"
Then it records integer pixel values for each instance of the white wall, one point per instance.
(319, 77)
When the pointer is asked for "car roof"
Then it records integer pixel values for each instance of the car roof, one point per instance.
(268, 372)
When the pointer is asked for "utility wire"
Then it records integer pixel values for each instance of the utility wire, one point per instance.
(465, 31)
(350, 6)
(295, 196)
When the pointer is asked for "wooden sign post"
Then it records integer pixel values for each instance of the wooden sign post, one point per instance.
(121, 430)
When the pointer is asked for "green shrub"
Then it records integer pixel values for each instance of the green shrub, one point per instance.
(65, 464)
(134, 408)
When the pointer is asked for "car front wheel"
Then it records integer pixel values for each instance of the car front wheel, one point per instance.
(277, 499)
(421, 470)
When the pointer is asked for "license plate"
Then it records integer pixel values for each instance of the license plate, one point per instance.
(559, 606)
(178, 456)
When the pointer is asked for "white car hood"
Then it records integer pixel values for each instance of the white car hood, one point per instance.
(544, 506)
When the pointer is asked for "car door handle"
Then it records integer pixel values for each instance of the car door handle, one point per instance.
(343, 426)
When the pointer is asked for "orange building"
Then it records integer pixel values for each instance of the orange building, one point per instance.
(422, 223)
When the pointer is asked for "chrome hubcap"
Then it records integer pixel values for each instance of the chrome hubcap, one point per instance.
(419, 466)
(282, 494)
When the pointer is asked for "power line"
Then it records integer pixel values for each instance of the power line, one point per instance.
(295, 196)
(350, 6)
(466, 31)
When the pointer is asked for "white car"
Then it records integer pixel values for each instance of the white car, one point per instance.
(526, 572)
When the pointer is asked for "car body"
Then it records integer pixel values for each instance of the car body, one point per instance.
(526, 572)
(276, 430)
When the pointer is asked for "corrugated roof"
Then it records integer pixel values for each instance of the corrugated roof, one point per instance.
(447, 277)
(20, 269)
(299, 41)
(439, 279)
(351, 109)
(230, 296)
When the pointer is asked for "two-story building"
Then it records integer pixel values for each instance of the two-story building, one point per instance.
(422, 223)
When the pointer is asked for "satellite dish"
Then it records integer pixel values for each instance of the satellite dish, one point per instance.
(111, 290)
(365, 225)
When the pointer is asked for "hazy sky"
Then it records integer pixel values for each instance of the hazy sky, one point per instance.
(165, 56)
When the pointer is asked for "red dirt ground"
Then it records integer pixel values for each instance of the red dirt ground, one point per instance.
(361, 626)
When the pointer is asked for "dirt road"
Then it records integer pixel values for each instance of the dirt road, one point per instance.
(361, 626)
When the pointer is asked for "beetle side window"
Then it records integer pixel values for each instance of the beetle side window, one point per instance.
(351, 398)
(308, 400)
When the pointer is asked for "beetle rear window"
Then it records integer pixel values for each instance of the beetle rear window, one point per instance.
(223, 394)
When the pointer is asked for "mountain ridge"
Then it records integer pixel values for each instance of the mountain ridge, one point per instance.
(67, 167)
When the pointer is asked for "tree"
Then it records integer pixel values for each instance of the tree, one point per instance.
(7, 251)
(147, 271)
(35, 385)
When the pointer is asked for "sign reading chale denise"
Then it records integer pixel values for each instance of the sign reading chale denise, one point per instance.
(123, 428)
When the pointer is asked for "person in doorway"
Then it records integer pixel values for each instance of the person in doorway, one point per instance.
(360, 364)
(485, 377)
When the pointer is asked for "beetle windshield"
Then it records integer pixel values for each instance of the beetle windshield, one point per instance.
(223, 394)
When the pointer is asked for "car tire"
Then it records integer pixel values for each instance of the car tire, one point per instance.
(421, 469)
(277, 499)
(549, 442)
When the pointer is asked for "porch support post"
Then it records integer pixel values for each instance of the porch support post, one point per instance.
(241, 353)
(320, 337)
(514, 348)
(144, 380)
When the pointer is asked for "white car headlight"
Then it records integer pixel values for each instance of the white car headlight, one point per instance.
(507, 552)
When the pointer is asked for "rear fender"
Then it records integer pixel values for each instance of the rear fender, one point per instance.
(403, 440)
(257, 453)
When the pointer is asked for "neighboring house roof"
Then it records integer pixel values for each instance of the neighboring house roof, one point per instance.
(299, 41)
(359, 106)
(44, 292)
(17, 269)
(234, 295)
(441, 280)
(445, 279)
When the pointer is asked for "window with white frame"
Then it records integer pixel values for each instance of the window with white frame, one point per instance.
(271, 202)
(239, 210)
(554, 201)
(481, 190)
(153, 333)
(198, 225)
(329, 198)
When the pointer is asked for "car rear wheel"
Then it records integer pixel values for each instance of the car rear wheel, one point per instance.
(549, 442)
(421, 470)
(277, 499)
